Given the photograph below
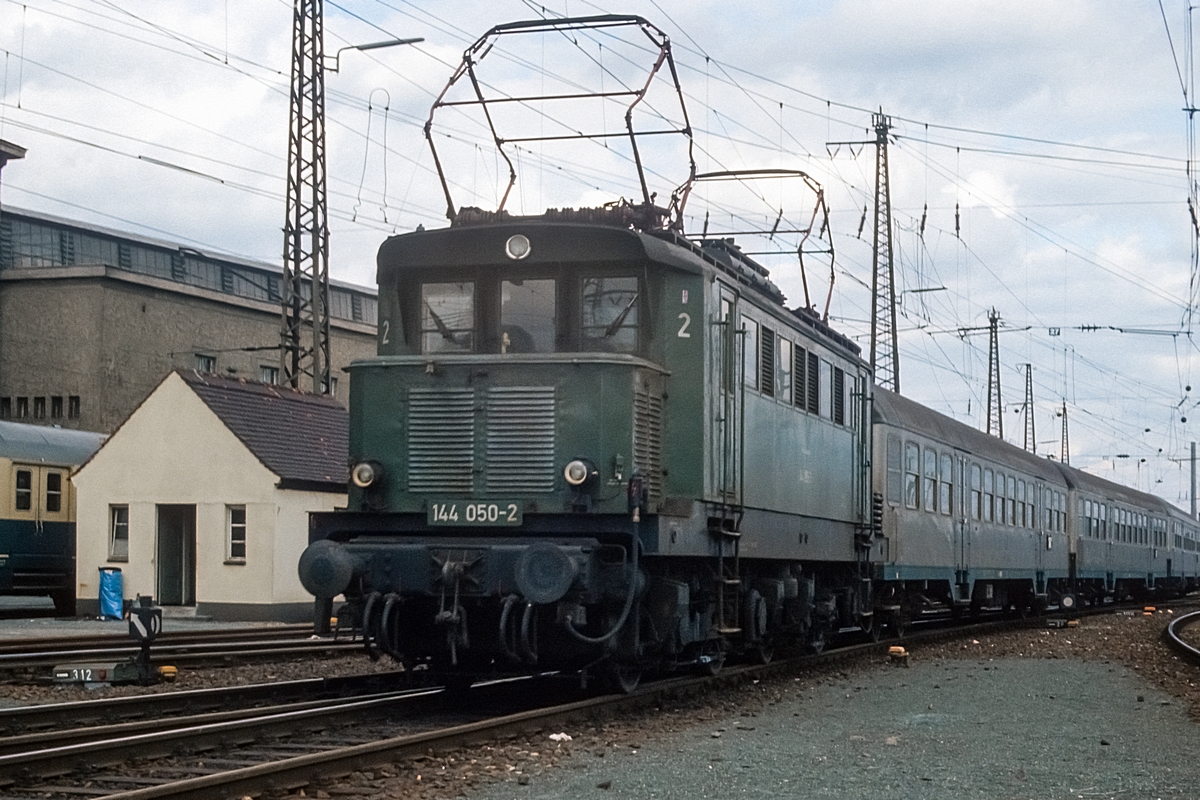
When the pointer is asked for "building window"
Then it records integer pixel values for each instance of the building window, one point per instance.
(118, 533)
(5, 408)
(236, 540)
(39, 408)
(73, 407)
(53, 491)
(24, 496)
(56, 407)
(206, 363)
(268, 374)
(22, 408)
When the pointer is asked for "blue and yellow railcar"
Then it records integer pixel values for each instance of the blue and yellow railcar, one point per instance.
(37, 511)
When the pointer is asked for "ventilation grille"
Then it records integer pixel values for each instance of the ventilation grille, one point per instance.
(647, 440)
(520, 439)
(441, 440)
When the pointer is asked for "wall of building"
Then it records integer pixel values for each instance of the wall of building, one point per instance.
(107, 336)
(175, 451)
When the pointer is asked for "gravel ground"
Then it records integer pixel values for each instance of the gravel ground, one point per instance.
(1098, 711)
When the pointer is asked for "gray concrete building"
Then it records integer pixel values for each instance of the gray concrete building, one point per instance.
(91, 320)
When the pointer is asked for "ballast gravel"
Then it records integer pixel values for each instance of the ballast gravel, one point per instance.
(1098, 711)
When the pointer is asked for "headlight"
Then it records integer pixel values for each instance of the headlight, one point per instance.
(364, 474)
(579, 472)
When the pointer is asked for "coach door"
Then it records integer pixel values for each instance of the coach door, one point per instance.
(962, 528)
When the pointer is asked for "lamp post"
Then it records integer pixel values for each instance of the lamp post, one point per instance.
(369, 46)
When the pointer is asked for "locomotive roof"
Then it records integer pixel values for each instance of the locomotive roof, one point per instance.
(1086, 482)
(893, 409)
(46, 445)
(570, 235)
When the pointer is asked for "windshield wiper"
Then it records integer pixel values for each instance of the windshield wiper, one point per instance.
(615, 325)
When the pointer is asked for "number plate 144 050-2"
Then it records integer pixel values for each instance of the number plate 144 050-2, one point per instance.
(478, 513)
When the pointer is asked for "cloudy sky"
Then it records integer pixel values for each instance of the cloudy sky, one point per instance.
(1055, 129)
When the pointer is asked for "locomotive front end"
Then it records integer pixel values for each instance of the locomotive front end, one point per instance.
(505, 446)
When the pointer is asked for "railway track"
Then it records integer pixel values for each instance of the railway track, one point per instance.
(198, 648)
(232, 754)
(1173, 636)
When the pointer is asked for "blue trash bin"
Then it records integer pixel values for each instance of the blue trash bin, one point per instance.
(112, 593)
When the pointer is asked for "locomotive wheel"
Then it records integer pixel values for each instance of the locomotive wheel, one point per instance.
(871, 625)
(621, 678)
(898, 622)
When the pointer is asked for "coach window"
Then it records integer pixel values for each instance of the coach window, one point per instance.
(976, 492)
(448, 317)
(610, 314)
(1000, 496)
(1021, 518)
(988, 496)
(118, 533)
(1103, 521)
(930, 479)
(527, 316)
(946, 487)
(750, 353)
(894, 471)
(912, 455)
(1012, 500)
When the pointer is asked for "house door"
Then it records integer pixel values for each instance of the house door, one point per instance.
(176, 555)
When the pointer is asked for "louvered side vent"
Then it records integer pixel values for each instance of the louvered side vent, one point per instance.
(647, 440)
(520, 439)
(441, 440)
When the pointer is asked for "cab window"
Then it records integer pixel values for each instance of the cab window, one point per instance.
(527, 316)
(610, 314)
(447, 317)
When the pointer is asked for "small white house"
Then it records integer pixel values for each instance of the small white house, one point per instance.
(201, 497)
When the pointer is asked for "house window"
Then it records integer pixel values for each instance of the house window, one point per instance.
(206, 363)
(39, 408)
(22, 408)
(268, 374)
(56, 407)
(236, 539)
(24, 496)
(73, 407)
(118, 533)
(54, 491)
(5, 408)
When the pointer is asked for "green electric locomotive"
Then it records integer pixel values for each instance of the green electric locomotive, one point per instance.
(589, 442)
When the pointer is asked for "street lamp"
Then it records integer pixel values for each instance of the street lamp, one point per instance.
(370, 46)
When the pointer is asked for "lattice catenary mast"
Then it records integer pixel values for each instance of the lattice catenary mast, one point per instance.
(995, 408)
(885, 350)
(1030, 439)
(304, 333)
